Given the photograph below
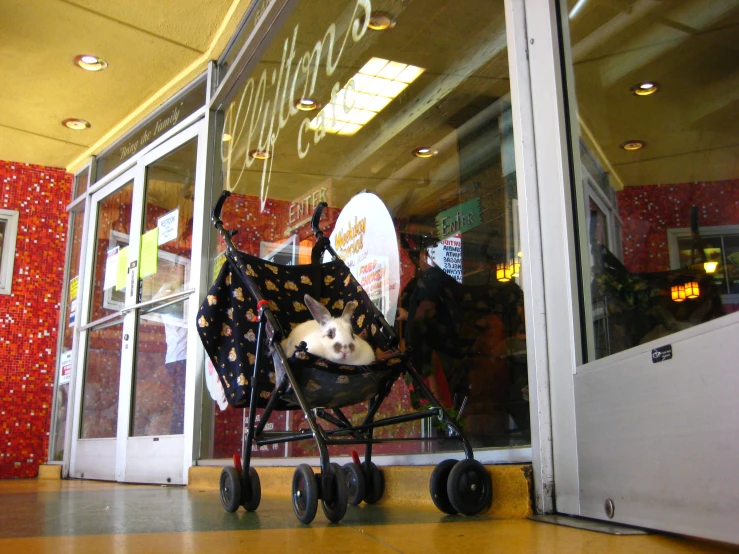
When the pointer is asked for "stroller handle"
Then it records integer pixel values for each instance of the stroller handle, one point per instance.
(316, 219)
(215, 217)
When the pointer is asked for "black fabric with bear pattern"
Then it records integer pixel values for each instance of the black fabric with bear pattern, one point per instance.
(229, 334)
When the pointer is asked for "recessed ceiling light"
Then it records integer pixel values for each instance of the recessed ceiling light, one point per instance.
(645, 89)
(90, 63)
(260, 154)
(633, 145)
(226, 137)
(424, 152)
(366, 94)
(380, 21)
(76, 124)
(307, 104)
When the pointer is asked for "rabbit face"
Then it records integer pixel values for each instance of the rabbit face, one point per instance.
(339, 339)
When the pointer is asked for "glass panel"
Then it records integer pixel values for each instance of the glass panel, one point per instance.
(81, 182)
(426, 126)
(170, 185)
(113, 224)
(656, 109)
(102, 375)
(69, 316)
(2, 237)
(159, 371)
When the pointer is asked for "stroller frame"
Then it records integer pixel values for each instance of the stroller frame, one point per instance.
(330, 483)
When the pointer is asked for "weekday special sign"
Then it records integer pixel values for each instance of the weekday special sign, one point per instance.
(364, 237)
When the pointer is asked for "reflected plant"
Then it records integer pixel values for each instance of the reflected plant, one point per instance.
(631, 290)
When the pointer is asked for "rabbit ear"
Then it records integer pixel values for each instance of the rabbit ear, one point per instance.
(349, 311)
(317, 310)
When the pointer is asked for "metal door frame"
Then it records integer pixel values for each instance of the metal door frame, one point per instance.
(575, 424)
(180, 446)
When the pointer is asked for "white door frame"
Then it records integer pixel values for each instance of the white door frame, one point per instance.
(622, 427)
(141, 459)
(91, 458)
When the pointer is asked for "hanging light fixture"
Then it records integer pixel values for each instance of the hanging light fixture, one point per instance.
(503, 272)
(678, 293)
(710, 267)
(692, 290)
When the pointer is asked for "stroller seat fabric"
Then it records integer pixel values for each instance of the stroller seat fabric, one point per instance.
(228, 327)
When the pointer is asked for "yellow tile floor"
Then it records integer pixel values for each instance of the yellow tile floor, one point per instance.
(91, 517)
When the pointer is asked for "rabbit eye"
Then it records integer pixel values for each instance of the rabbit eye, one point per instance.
(331, 333)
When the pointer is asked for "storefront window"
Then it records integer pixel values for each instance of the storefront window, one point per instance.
(81, 181)
(411, 102)
(69, 318)
(658, 188)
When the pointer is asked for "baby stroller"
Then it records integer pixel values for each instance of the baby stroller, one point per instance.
(248, 311)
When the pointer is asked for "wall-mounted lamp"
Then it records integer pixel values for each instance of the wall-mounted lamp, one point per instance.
(515, 268)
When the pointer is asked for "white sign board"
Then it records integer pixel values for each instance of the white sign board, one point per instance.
(364, 237)
(447, 255)
(65, 367)
(111, 268)
(168, 226)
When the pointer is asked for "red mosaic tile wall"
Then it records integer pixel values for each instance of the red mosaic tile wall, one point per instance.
(29, 315)
(649, 211)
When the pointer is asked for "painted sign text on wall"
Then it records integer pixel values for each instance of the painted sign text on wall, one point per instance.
(459, 219)
(302, 208)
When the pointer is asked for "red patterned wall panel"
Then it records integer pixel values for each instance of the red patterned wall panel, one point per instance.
(649, 211)
(29, 316)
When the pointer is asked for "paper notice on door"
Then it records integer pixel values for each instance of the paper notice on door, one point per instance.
(111, 268)
(121, 269)
(73, 287)
(149, 253)
(65, 367)
(167, 225)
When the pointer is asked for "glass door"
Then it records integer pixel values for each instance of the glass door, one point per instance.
(134, 367)
(94, 450)
(159, 320)
(644, 383)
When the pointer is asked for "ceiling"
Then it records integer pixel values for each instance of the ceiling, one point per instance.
(691, 49)
(153, 48)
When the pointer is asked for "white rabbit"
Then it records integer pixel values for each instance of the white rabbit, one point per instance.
(330, 337)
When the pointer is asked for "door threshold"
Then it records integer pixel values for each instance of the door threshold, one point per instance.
(589, 524)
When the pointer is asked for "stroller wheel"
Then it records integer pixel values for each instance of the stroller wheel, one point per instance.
(230, 489)
(336, 509)
(305, 493)
(438, 486)
(355, 486)
(251, 491)
(470, 487)
(374, 483)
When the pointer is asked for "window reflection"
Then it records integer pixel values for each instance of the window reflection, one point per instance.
(655, 107)
(426, 125)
